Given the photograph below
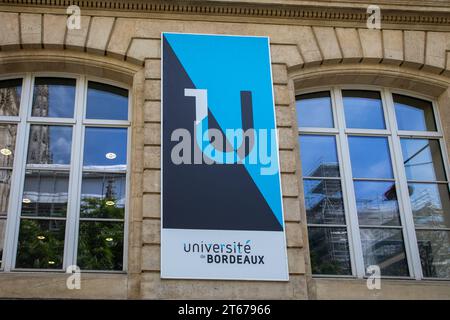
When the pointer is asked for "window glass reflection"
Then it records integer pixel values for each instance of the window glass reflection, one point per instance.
(103, 195)
(413, 114)
(385, 248)
(10, 92)
(430, 204)
(2, 238)
(434, 250)
(105, 148)
(106, 102)
(329, 251)
(319, 156)
(5, 187)
(376, 203)
(45, 193)
(8, 134)
(370, 157)
(314, 110)
(53, 97)
(41, 244)
(363, 109)
(323, 201)
(49, 145)
(423, 160)
(100, 245)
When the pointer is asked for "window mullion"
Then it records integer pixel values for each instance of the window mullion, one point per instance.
(17, 178)
(410, 239)
(75, 177)
(347, 190)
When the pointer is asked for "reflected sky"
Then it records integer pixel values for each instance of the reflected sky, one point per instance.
(106, 102)
(423, 160)
(413, 114)
(99, 142)
(53, 97)
(314, 110)
(363, 109)
(49, 145)
(370, 157)
(318, 156)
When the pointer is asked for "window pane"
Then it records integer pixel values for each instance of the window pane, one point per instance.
(5, 186)
(105, 148)
(363, 109)
(2, 238)
(103, 195)
(45, 193)
(319, 156)
(53, 97)
(370, 157)
(384, 248)
(323, 201)
(8, 134)
(376, 203)
(314, 110)
(434, 249)
(41, 244)
(414, 114)
(100, 245)
(10, 91)
(329, 251)
(430, 204)
(49, 145)
(106, 102)
(423, 159)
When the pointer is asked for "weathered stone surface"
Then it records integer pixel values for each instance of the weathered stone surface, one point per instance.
(153, 69)
(284, 116)
(289, 185)
(151, 231)
(99, 34)
(328, 44)
(436, 45)
(296, 261)
(287, 161)
(124, 30)
(143, 48)
(372, 46)
(279, 74)
(350, 44)
(294, 235)
(153, 287)
(152, 111)
(282, 96)
(151, 207)
(308, 46)
(151, 258)
(31, 28)
(152, 90)
(393, 46)
(287, 54)
(76, 38)
(152, 157)
(152, 181)
(291, 208)
(152, 134)
(414, 48)
(286, 138)
(9, 36)
(54, 31)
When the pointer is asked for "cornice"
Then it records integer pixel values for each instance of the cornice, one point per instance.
(320, 11)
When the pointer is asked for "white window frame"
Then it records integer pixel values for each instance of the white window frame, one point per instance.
(393, 136)
(78, 123)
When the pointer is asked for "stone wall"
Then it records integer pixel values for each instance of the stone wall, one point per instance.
(125, 46)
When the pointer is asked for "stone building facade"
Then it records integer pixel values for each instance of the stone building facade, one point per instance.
(313, 43)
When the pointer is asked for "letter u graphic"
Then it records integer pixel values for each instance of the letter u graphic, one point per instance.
(214, 150)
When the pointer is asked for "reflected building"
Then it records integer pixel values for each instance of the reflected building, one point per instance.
(39, 142)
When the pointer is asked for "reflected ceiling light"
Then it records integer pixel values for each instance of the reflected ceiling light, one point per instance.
(5, 152)
(109, 239)
(110, 155)
(109, 203)
(26, 200)
(40, 237)
(51, 262)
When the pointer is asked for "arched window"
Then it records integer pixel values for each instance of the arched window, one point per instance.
(64, 159)
(376, 183)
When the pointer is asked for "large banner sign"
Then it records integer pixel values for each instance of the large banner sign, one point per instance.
(222, 215)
